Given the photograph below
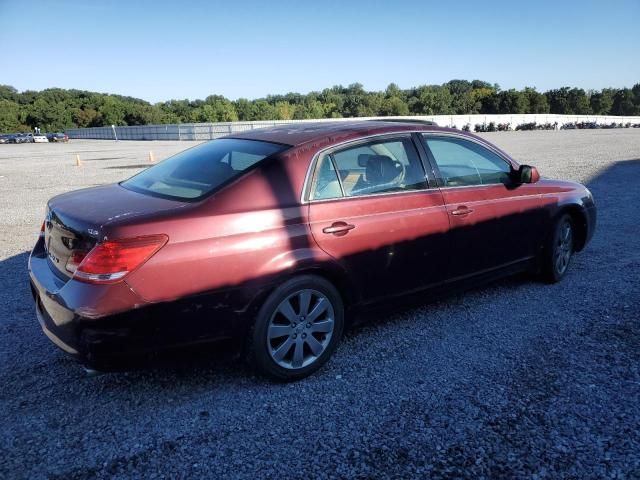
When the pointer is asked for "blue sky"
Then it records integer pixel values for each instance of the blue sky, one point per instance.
(158, 50)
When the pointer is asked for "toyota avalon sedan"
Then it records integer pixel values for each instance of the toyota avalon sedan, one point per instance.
(277, 237)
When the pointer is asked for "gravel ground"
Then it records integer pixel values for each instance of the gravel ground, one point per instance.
(518, 379)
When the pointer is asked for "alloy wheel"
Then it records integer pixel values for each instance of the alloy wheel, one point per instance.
(563, 248)
(300, 329)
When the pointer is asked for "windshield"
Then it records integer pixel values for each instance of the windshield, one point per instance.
(198, 171)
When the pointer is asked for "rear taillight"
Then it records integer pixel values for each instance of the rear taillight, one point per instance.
(42, 229)
(111, 260)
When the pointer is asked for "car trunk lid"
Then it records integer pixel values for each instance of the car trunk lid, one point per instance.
(76, 221)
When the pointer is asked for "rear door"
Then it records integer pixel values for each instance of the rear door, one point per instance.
(494, 221)
(370, 208)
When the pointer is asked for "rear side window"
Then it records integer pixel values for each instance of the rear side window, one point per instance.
(326, 184)
(380, 166)
(462, 162)
(196, 172)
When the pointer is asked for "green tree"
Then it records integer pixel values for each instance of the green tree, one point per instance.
(245, 109)
(283, 110)
(462, 98)
(311, 108)
(86, 118)
(569, 101)
(264, 110)
(558, 101)
(393, 90)
(635, 92)
(430, 100)
(355, 102)
(7, 92)
(48, 116)
(57, 109)
(393, 106)
(578, 101)
(623, 103)
(602, 102)
(11, 117)
(534, 101)
(112, 111)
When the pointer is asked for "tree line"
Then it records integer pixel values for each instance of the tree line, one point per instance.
(56, 109)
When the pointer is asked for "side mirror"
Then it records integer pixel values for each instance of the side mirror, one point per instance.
(527, 174)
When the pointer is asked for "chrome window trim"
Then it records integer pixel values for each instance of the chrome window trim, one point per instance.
(360, 197)
(308, 181)
(469, 186)
(332, 159)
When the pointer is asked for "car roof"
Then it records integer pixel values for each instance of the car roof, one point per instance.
(300, 133)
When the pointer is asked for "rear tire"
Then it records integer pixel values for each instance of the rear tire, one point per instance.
(297, 329)
(558, 250)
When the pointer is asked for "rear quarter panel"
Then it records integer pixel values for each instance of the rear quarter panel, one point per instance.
(248, 235)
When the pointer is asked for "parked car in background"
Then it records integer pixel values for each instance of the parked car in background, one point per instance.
(38, 138)
(278, 236)
(24, 138)
(57, 137)
(5, 138)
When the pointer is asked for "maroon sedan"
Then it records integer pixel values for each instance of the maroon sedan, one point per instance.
(278, 236)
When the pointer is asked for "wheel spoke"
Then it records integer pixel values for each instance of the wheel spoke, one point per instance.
(324, 326)
(283, 349)
(319, 309)
(298, 355)
(305, 301)
(314, 345)
(276, 331)
(286, 309)
(559, 264)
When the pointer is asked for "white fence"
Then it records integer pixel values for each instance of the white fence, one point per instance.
(207, 131)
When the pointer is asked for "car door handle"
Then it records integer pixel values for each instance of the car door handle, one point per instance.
(339, 228)
(461, 211)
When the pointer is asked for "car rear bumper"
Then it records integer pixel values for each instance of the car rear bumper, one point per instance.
(100, 323)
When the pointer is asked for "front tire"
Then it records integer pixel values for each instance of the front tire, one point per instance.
(297, 328)
(558, 251)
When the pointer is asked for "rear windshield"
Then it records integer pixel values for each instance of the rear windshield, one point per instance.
(198, 171)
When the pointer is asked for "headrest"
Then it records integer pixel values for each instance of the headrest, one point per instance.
(380, 168)
(363, 158)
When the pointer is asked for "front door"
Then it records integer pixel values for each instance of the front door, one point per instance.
(494, 221)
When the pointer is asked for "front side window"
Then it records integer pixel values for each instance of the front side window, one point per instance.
(462, 162)
(381, 166)
(198, 171)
